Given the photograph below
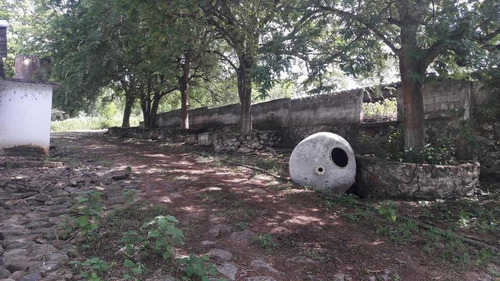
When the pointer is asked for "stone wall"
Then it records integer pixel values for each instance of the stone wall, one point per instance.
(385, 179)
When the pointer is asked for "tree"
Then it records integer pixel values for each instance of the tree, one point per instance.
(417, 32)
(86, 52)
(113, 49)
(182, 42)
(242, 24)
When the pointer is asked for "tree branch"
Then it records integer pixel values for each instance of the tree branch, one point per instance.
(224, 57)
(370, 26)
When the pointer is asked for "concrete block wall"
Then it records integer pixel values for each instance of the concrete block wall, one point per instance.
(447, 96)
(441, 99)
(342, 108)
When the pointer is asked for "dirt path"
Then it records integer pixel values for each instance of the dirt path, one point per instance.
(254, 227)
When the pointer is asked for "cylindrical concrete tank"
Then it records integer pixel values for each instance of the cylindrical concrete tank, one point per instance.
(325, 162)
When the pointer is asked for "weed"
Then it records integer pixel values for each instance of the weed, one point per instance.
(446, 246)
(441, 154)
(134, 270)
(315, 254)
(93, 268)
(197, 267)
(242, 225)
(388, 211)
(129, 195)
(344, 199)
(164, 234)
(89, 214)
(211, 196)
(237, 210)
(86, 221)
(265, 241)
(356, 216)
(400, 233)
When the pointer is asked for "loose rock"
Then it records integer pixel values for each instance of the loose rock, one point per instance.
(264, 265)
(220, 254)
(229, 270)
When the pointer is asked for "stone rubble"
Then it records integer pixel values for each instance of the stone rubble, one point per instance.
(35, 199)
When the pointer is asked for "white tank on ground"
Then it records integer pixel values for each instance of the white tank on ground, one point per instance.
(325, 162)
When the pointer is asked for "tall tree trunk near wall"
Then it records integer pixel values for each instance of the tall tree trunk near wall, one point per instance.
(154, 109)
(129, 103)
(146, 109)
(412, 75)
(184, 89)
(245, 92)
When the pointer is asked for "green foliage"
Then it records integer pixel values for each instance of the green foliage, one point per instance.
(395, 138)
(134, 270)
(385, 108)
(442, 154)
(84, 122)
(388, 210)
(265, 241)
(93, 268)
(355, 216)
(75, 124)
(108, 112)
(400, 233)
(89, 214)
(197, 268)
(164, 234)
(129, 194)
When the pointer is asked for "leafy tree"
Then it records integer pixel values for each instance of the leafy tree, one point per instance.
(112, 50)
(417, 33)
(242, 25)
(28, 23)
(181, 42)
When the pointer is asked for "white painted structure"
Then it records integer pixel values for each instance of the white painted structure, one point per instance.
(25, 110)
(325, 162)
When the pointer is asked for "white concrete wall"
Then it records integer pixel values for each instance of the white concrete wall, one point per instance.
(25, 110)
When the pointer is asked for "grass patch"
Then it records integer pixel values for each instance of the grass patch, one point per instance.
(83, 123)
(264, 241)
(77, 124)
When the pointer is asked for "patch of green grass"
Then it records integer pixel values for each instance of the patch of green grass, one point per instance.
(316, 254)
(355, 216)
(237, 210)
(475, 215)
(401, 232)
(447, 247)
(242, 225)
(76, 124)
(264, 241)
(211, 196)
(82, 123)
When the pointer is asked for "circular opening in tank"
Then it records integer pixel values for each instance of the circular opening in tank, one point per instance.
(339, 157)
(320, 169)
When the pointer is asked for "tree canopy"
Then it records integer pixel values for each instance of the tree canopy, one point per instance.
(149, 50)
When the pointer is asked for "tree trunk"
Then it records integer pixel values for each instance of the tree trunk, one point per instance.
(413, 106)
(245, 92)
(129, 103)
(146, 110)
(184, 89)
(154, 109)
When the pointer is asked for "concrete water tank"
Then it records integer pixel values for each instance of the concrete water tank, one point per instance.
(325, 162)
(24, 117)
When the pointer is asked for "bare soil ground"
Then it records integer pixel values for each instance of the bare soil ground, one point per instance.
(293, 233)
